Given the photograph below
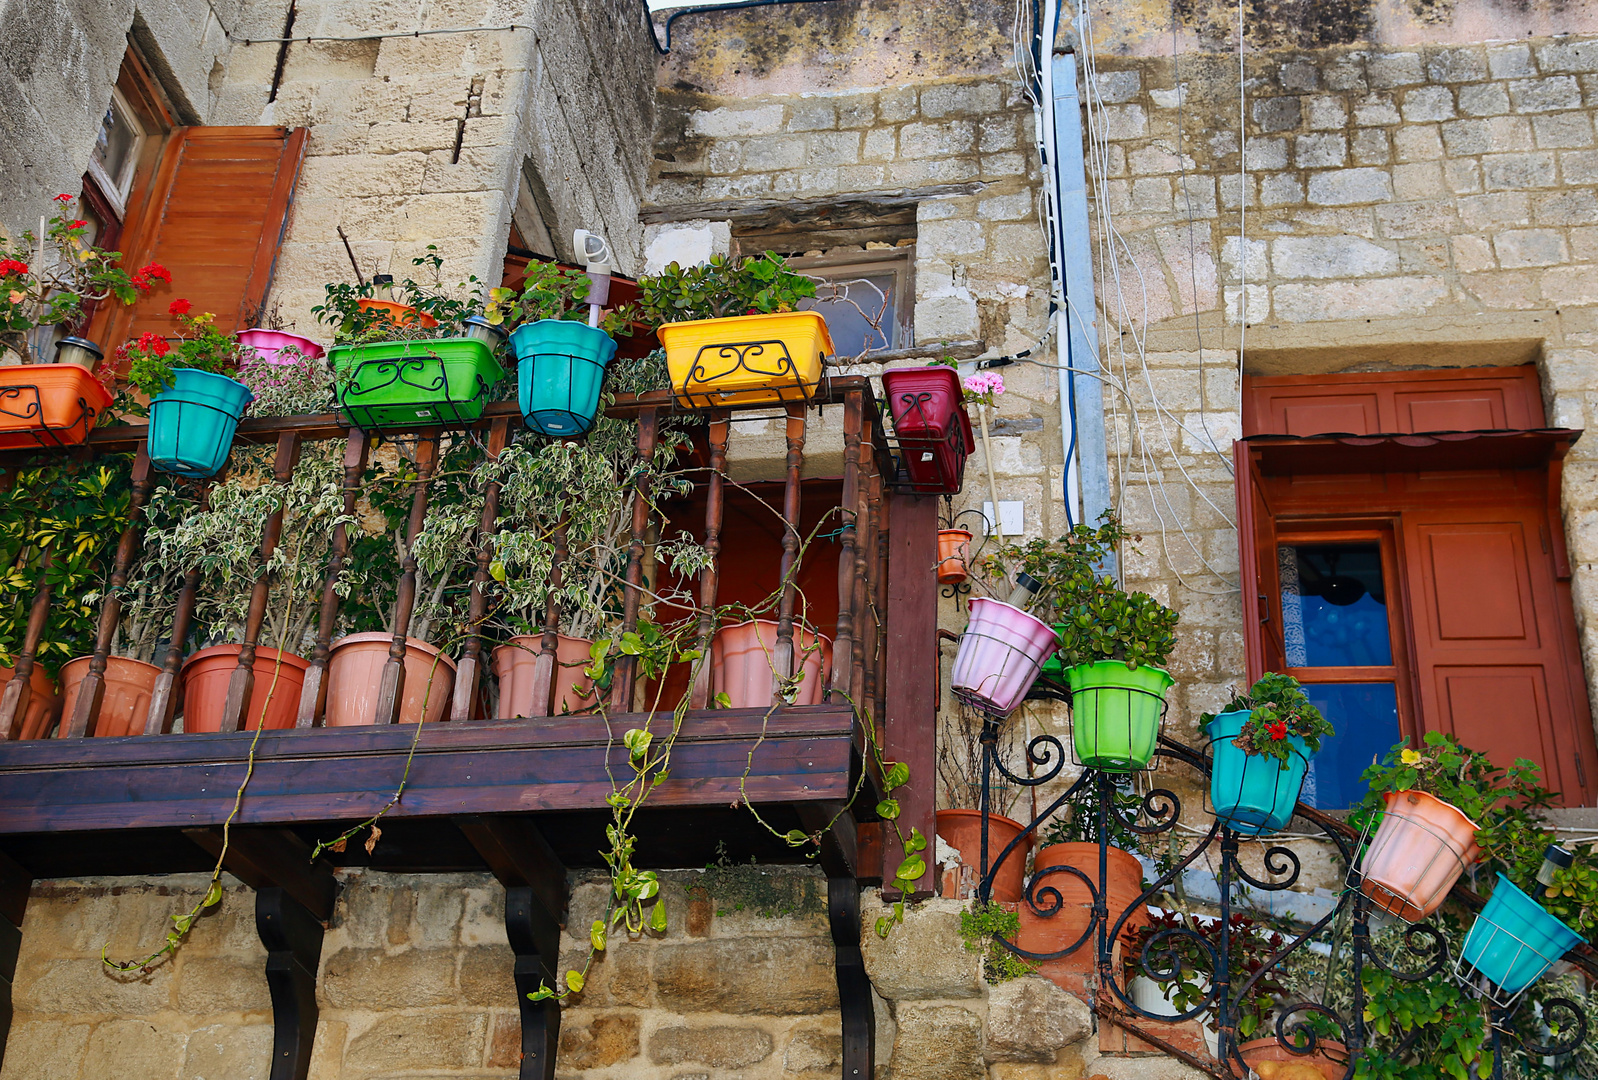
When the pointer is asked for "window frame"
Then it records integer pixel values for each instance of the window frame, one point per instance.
(847, 264)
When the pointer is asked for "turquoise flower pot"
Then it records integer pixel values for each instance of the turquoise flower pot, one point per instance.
(560, 367)
(1514, 941)
(1252, 792)
(192, 422)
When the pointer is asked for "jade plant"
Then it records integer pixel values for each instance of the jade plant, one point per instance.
(353, 324)
(1066, 569)
(1112, 624)
(723, 287)
(1278, 709)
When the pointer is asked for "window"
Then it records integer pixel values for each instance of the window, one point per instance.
(867, 297)
(1414, 582)
(116, 152)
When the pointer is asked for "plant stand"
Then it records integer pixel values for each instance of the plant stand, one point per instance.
(1512, 942)
(192, 423)
(1000, 653)
(1420, 848)
(746, 358)
(933, 429)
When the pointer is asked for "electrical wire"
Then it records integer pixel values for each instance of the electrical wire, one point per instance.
(1242, 203)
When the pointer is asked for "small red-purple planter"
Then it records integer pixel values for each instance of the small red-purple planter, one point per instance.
(933, 428)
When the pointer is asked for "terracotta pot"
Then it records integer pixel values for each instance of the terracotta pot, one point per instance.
(740, 663)
(954, 548)
(43, 703)
(207, 673)
(963, 829)
(1330, 1058)
(515, 661)
(128, 685)
(1064, 928)
(1420, 848)
(398, 314)
(355, 671)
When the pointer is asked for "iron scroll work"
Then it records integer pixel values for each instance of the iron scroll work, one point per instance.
(1302, 1026)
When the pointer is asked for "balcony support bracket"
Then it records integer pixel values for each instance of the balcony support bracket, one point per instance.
(854, 987)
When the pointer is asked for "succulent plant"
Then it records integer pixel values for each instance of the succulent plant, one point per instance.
(1110, 624)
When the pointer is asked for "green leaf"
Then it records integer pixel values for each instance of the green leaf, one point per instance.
(574, 981)
(917, 842)
(637, 742)
(888, 808)
(596, 935)
(657, 919)
(796, 837)
(911, 869)
(213, 895)
(898, 775)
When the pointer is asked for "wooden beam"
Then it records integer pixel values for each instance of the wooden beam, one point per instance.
(313, 696)
(854, 987)
(868, 202)
(468, 671)
(267, 858)
(15, 884)
(834, 822)
(517, 853)
(910, 730)
(293, 940)
(534, 937)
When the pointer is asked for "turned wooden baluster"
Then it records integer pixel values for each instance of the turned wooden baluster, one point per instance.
(708, 581)
(864, 596)
(14, 698)
(91, 692)
(241, 685)
(876, 677)
(843, 644)
(782, 659)
(313, 698)
(391, 688)
(163, 696)
(469, 671)
(621, 687)
(546, 669)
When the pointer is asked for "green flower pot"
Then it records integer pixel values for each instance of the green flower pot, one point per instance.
(409, 384)
(1116, 713)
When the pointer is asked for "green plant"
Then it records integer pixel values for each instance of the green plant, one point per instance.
(1185, 945)
(1278, 708)
(981, 928)
(1442, 767)
(722, 287)
(151, 359)
(735, 886)
(1421, 1030)
(353, 324)
(1076, 821)
(552, 292)
(1133, 628)
(293, 385)
(1066, 569)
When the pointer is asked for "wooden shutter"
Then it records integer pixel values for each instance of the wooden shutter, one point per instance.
(213, 214)
(1256, 536)
(1458, 399)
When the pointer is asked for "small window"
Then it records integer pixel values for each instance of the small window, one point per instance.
(116, 151)
(867, 298)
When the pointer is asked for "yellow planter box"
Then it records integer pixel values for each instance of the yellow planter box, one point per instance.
(715, 362)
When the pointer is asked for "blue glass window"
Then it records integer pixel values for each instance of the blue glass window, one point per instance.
(1366, 718)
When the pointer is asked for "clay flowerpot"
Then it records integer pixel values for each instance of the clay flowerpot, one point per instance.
(207, 673)
(398, 314)
(43, 704)
(355, 672)
(962, 829)
(125, 706)
(1064, 928)
(516, 661)
(741, 663)
(954, 548)
(1420, 848)
(1330, 1058)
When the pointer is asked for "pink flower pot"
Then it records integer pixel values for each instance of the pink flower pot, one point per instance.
(1000, 653)
(268, 343)
(516, 661)
(1420, 848)
(741, 663)
(355, 673)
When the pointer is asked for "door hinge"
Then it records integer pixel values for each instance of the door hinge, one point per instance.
(1581, 772)
(1265, 609)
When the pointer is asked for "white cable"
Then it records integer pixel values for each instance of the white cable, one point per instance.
(1242, 204)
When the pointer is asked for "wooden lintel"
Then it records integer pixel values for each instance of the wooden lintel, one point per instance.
(517, 853)
(834, 821)
(264, 858)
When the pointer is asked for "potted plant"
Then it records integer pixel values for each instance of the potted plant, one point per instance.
(962, 829)
(194, 404)
(53, 281)
(560, 359)
(292, 383)
(743, 669)
(1260, 745)
(954, 553)
(932, 425)
(732, 333)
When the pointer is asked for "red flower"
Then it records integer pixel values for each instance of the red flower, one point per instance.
(11, 267)
(144, 277)
(151, 342)
(179, 307)
(63, 198)
(1278, 730)
(79, 224)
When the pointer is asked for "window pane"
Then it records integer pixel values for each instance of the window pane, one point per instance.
(861, 311)
(1366, 718)
(1334, 605)
(113, 152)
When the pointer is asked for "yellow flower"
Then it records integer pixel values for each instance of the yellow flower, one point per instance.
(1410, 757)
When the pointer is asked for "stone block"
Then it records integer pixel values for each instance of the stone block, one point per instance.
(1345, 187)
(1358, 299)
(938, 1042)
(924, 140)
(1117, 87)
(861, 177)
(420, 1041)
(1330, 257)
(1496, 209)
(485, 976)
(1124, 121)
(229, 1052)
(1568, 56)
(944, 238)
(1230, 187)
(960, 99)
(1373, 147)
(47, 1050)
(1562, 130)
(1415, 219)
(924, 957)
(134, 1048)
(379, 981)
(215, 984)
(593, 1041)
(1510, 61)
(1267, 154)
(898, 104)
(1463, 176)
(67, 987)
(1344, 72)
(1298, 75)
(1320, 151)
(746, 976)
(1325, 112)
(1484, 99)
(813, 1050)
(1281, 190)
(858, 112)
(1031, 1019)
(1428, 103)
(1545, 95)
(1454, 65)
(1419, 143)
(1277, 113)
(1393, 69)
(719, 1047)
(880, 144)
(1584, 243)
(729, 122)
(1517, 172)
(1473, 253)
(1417, 180)
(1566, 208)
(833, 148)
(1517, 248)
(1570, 285)
(1376, 110)
(1579, 167)
(1017, 207)
(1152, 194)
(784, 152)
(1253, 262)
(811, 114)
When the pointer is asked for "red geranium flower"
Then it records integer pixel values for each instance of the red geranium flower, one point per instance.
(144, 277)
(179, 307)
(10, 267)
(78, 224)
(1278, 730)
(151, 342)
(63, 198)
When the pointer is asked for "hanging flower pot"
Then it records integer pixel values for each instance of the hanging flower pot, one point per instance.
(1252, 793)
(742, 661)
(1067, 926)
(49, 405)
(560, 366)
(125, 705)
(274, 698)
(192, 422)
(999, 656)
(403, 384)
(355, 673)
(954, 550)
(932, 426)
(398, 314)
(43, 701)
(1116, 713)
(962, 829)
(1514, 940)
(746, 358)
(267, 344)
(516, 661)
(1420, 848)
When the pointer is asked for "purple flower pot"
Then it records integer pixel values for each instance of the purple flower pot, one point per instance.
(268, 343)
(1000, 653)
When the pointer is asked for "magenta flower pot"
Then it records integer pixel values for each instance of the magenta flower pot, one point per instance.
(268, 343)
(1000, 653)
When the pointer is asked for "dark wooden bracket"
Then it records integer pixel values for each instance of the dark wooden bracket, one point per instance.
(854, 987)
(293, 901)
(15, 883)
(535, 903)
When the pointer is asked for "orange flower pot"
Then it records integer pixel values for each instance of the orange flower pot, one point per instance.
(515, 662)
(355, 672)
(1420, 848)
(207, 673)
(963, 829)
(43, 704)
(398, 314)
(1330, 1058)
(48, 404)
(741, 663)
(1046, 934)
(954, 549)
(128, 685)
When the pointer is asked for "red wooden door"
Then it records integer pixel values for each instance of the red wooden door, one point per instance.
(1492, 664)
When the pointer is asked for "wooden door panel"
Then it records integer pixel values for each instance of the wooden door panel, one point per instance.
(1472, 399)
(1502, 711)
(1355, 413)
(1479, 585)
(1453, 410)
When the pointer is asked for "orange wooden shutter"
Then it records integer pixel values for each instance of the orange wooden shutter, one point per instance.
(213, 214)
(1450, 399)
(1256, 535)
